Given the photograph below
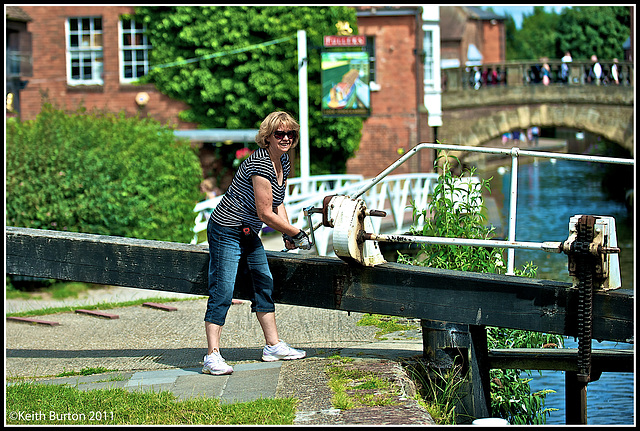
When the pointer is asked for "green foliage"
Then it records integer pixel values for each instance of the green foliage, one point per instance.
(582, 30)
(538, 34)
(100, 173)
(241, 77)
(511, 396)
(455, 212)
(511, 399)
(599, 30)
(441, 390)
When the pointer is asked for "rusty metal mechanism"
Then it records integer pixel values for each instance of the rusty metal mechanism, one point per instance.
(349, 217)
(590, 245)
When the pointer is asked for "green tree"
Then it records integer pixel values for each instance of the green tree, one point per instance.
(100, 173)
(242, 75)
(513, 43)
(537, 37)
(588, 30)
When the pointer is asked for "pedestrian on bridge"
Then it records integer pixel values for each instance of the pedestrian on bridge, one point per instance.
(615, 75)
(255, 197)
(595, 73)
(564, 67)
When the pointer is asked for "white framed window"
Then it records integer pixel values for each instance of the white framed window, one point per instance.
(84, 51)
(374, 85)
(429, 75)
(134, 50)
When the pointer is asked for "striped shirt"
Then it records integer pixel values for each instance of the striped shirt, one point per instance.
(238, 205)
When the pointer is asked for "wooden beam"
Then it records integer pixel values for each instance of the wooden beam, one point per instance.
(602, 360)
(324, 282)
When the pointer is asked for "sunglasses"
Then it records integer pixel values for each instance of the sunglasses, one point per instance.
(279, 135)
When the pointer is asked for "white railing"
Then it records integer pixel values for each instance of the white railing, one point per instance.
(297, 191)
(300, 189)
(393, 194)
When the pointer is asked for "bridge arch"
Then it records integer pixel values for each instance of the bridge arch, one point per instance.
(478, 117)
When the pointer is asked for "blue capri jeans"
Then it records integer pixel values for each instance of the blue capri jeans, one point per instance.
(230, 252)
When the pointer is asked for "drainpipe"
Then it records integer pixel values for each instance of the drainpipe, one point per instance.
(419, 100)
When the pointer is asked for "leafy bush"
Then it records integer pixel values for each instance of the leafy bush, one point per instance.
(101, 173)
(455, 211)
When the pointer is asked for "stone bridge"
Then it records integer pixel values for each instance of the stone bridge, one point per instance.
(474, 117)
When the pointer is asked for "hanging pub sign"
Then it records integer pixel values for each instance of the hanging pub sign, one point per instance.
(340, 41)
(345, 84)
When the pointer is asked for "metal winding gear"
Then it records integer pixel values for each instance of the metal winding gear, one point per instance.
(348, 218)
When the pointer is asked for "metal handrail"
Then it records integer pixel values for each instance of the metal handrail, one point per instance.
(514, 152)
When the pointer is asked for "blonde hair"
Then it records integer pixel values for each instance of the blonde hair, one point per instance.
(271, 123)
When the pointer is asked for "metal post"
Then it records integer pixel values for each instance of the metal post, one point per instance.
(462, 349)
(512, 209)
(304, 109)
(575, 399)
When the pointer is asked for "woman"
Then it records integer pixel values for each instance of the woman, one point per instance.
(255, 197)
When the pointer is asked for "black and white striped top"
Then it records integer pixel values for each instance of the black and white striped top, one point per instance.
(238, 206)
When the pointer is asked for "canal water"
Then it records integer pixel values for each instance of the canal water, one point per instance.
(549, 194)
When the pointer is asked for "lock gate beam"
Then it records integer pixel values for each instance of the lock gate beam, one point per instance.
(324, 282)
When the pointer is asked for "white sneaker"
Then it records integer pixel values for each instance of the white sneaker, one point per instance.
(281, 351)
(215, 364)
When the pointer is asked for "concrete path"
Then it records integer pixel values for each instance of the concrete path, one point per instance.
(152, 349)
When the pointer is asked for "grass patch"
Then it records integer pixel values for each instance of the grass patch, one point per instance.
(386, 324)
(357, 388)
(440, 391)
(42, 288)
(88, 371)
(37, 404)
(67, 290)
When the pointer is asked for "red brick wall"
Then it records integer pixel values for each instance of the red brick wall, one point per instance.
(392, 127)
(49, 69)
(493, 50)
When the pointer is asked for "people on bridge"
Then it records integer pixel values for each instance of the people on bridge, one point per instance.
(255, 197)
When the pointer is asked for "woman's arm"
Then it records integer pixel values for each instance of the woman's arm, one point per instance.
(278, 219)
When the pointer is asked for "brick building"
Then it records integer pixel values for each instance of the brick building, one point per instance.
(90, 55)
(405, 96)
(471, 36)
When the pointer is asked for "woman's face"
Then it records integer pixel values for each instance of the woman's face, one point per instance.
(282, 139)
